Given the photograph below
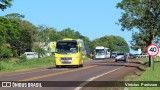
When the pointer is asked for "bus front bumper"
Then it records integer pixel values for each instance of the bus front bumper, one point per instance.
(59, 62)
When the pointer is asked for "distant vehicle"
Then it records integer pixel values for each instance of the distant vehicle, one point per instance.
(133, 56)
(70, 52)
(121, 57)
(101, 52)
(114, 54)
(30, 55)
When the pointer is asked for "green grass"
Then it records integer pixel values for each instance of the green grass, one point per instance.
(86, 59)
(143, 59)
(149, 75)
(146, 59)
(14, 64)
(17, 64)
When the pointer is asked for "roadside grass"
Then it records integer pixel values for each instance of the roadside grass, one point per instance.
(86, 59)
(15, 64)
(146, 59)
(149, 75)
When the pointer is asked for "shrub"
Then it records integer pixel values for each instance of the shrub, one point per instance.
(5, 52)
(23, 58)
(5, 66)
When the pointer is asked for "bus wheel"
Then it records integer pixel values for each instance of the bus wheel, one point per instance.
(57, 66)
(81, 65)
(77, 66)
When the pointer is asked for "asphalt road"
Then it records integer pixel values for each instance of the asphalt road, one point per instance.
(96, 70)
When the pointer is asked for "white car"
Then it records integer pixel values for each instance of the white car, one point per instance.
(120, 57)
(30, 55)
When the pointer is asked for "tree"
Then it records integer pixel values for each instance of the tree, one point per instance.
(5, 3)
(4, 50)
(8, 30)
(42, 37)
(15, 15)
(54, 35)
(68, 33)
(139, 41)
(88, 44)
(143, 15)
(17, 32)
(114, 43)
(38, 48)
(44, 33)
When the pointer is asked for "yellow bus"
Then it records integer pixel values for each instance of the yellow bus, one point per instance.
(70, 52)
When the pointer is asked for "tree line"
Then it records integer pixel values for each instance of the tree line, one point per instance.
(114, 43)
(143, 15)
(18, 36)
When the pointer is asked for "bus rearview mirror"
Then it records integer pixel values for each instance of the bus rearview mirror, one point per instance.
(80, 45)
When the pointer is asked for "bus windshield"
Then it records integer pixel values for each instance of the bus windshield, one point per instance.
(120, 54)
(67, 47)
(113, 53)
(99, 51)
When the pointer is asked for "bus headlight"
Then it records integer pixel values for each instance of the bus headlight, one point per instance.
(74, 58)
(58, 58)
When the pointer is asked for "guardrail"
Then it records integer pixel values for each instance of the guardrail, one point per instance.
(142, 56)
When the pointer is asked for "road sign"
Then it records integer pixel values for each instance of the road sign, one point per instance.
(152, 50)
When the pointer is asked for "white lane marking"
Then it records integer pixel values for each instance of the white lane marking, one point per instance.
(93, 78)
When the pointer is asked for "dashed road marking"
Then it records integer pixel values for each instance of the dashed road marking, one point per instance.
(96, 77)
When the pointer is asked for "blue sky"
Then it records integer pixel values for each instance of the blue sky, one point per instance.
(92, 18)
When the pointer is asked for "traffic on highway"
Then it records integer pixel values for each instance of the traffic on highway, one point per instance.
(71, 67)
(79, 44)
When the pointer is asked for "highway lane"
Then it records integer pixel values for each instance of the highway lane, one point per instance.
(91, 70)
(24, 75)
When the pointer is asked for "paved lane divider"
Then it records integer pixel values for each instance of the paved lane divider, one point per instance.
(54, 74)
(58, 73)
(28, 72)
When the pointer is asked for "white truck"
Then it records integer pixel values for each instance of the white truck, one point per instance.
(101, 52)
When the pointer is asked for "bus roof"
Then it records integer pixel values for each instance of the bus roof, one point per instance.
(100, 47)
(68, 39)
(71, 39)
